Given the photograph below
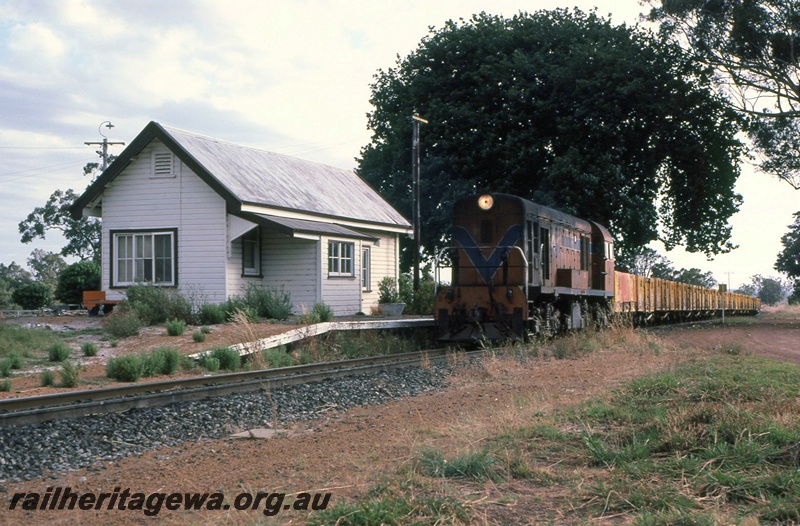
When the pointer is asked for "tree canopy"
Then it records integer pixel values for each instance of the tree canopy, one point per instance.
(650, 264)
(753, 46)
(605, 122)
(789, 258)
(82, 235)
(769, 290)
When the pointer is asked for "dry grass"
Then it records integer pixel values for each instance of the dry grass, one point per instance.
(781, 312)
(247, 334)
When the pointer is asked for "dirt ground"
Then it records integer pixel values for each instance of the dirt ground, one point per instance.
(93, 374)
(349, 453)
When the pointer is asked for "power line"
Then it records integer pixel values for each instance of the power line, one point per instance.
(41, 148)
(40, 168)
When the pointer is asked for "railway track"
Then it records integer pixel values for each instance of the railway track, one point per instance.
(75, 404)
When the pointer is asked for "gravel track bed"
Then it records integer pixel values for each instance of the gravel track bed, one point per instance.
(31, 451)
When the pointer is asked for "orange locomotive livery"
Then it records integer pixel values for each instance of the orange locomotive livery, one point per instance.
(518, 267)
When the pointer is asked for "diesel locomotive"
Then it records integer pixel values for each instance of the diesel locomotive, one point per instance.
(517, 267)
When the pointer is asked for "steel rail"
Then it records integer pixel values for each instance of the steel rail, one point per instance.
(75, 404)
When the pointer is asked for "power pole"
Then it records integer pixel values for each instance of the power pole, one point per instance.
(104, 152)
(415, 120)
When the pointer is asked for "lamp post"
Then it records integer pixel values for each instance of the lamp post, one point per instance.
(104, 152)
(415, 120)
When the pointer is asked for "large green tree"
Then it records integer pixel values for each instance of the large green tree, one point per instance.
(562, 107)
(82, 235)
(754, 46)
(45, 267)
(788, 260)
(12, 277)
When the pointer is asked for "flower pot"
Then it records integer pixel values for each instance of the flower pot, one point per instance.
(392, 309)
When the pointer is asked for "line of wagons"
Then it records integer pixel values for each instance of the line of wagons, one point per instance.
(517, 267)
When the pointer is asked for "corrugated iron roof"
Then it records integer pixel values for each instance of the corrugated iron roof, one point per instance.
(270, 179)
(248, 176)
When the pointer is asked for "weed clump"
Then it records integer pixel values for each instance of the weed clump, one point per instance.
(211, 314)
(123, 322)
(89, 349)
(278, 357)
(58, 352)
(70, 374)
(156, 305)
(221, 358)
(128, 368)
(132, 367)
(175, 327)
(209, 363)
(321, 313)
(48, 378)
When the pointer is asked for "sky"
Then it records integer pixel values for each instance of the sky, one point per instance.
(291, 77)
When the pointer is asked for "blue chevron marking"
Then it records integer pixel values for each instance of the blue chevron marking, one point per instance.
(487, 267)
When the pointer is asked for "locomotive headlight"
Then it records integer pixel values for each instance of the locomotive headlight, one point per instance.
(485, 202)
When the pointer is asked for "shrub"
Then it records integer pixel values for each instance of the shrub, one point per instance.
(198, 336)
(162, 360)
(420, 301)
(268, 302)
(210, 363)
(205, 330)
(5, 367)
(48, 378)
(70, 374)
(5, 385)
(32, 295)
(159, 304)
(319, 314)
(76, 278)
(15, 360)
(58, 352)
(322, 312)
(128, 368)
(424, 298)
(278, 357)
(387, 290)
(123, 322)
(89, 349)
(236, 306)
(212, 314)
(175, 327)
(227, 358)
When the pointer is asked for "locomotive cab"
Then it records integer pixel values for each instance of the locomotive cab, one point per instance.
(487, 295)
(602, 256)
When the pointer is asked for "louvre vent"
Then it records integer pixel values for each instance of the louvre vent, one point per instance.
(163, 165)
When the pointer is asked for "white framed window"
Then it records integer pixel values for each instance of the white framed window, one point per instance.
(340, 258)
(251, 253)
(366, 272)
(143, 257)
(163, 164)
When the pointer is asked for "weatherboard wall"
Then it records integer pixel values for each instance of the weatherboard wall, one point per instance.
(136, 200)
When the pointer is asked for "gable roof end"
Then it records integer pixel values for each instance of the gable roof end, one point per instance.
(248, 176)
